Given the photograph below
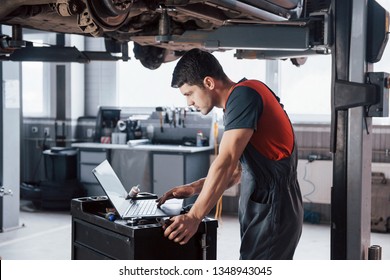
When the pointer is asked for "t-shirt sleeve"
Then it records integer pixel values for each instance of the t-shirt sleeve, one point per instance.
(243, 109)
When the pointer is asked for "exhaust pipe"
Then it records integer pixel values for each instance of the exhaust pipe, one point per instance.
(247, 9)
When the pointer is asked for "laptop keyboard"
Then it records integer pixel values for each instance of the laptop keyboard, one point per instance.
(142, 207)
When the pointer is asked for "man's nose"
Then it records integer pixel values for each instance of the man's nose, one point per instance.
(190, 102)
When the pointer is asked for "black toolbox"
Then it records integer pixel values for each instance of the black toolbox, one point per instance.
(94, 237)
(380, 203)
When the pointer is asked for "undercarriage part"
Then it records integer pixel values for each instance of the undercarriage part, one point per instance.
(177, 2)
(113, 46)
(17, 33)
(5, 47)
(150, 57)
(105, 15)
(298, 61)
(87, 24)
(115, 7)
(163, 24)
(8, 45)
(247, 9)
(204, 18)
(290, 9)
(8, 6)
(69, 7)
(285, 4)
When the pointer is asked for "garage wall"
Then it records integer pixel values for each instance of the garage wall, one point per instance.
(100, 80)
(314, 139)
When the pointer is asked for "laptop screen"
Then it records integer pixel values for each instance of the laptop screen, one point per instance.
(112, 186)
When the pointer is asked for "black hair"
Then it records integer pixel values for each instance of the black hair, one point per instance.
(194, 66)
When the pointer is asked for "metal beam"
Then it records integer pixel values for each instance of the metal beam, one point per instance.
(359, 145)
(351, 137)
(60, 54)
(278, 37)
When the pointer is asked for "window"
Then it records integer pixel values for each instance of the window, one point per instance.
(141, 87)
(36, 80)
(306, 90)
(383, 66)
(33, 92)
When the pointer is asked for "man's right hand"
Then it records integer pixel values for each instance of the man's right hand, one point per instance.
(177, 192)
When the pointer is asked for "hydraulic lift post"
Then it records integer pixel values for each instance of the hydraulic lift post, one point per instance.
(10, 123)
(352, 141)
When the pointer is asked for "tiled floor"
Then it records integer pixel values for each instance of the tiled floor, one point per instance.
(314, 243)
(46, 235)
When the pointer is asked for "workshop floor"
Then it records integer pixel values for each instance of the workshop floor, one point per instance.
(46, 235)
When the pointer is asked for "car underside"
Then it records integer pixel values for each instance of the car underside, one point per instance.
(156, 27)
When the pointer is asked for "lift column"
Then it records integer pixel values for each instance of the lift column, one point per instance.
(351, 137)
(10, 119)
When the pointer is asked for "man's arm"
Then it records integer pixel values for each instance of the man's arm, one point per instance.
(218, 179)
(191, 189)
(182, 191)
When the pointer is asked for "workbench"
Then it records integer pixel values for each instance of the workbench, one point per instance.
(156, 168)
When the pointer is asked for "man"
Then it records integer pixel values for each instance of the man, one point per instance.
(257, 149)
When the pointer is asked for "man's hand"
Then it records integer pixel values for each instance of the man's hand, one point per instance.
(177, 192)
(182, 228)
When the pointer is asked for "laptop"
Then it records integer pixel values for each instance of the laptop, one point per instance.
(129, 208)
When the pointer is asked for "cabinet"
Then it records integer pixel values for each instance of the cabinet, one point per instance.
(89, 159)
(157, 168)
(174, 169)
(96, 238)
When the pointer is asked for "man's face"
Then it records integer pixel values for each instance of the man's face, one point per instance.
(198, 97)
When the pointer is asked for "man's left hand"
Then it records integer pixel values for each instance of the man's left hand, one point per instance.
(182, 228)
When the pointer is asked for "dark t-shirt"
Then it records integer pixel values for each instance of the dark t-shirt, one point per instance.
(252, 104)
(243, 109)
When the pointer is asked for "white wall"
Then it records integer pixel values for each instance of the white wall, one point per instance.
(76, 81)
(315, 178)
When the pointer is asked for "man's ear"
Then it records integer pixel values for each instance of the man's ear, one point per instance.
(209, 82)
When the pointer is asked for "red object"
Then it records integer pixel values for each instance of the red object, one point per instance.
(105, 139)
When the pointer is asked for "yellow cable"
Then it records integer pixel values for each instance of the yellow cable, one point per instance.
(218, 209)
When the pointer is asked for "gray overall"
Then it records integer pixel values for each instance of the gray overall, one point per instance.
(270, 209)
